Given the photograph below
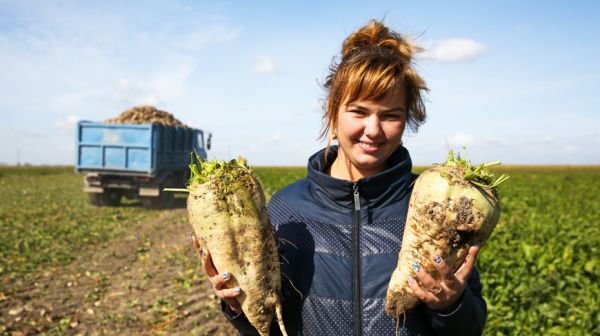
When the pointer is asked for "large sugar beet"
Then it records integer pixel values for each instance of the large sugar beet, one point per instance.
(453, 207)
(226, 208)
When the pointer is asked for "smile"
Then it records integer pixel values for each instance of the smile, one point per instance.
(368, 146)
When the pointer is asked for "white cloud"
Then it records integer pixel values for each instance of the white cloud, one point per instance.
(454, 50)
(266, 66)
(67, 124)
(494, 140)
(170, 80)
(79, 59)
(166, 83)
(128, 93)
(460, 140)
(572, 148)
(117, 96)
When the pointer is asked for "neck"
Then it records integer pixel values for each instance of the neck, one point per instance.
(343, 169)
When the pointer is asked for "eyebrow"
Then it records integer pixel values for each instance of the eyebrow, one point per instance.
(395, 109)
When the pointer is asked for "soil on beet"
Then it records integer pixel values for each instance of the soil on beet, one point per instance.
(147, 282)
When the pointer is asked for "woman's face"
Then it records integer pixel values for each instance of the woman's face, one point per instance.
(370, 131)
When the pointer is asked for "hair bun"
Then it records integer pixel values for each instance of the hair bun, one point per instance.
(375, 35)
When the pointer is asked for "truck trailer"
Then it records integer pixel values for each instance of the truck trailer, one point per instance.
(136, 161)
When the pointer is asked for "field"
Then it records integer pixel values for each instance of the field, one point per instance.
(68, 268)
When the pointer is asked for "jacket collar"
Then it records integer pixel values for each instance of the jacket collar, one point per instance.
(379, 189)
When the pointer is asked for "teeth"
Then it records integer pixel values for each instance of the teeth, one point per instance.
(369, 145)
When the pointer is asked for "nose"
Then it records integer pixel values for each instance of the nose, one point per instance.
(372, 126)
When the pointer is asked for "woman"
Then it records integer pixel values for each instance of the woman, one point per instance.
(341, 227)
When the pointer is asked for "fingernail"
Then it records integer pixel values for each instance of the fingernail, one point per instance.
(416, 267)
(411, 280)
(225, 275)
(238, 289)
(437, 259)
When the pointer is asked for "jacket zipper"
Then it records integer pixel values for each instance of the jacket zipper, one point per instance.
(356, 269)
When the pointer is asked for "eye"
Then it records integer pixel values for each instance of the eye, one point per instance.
(393, 116)
(357, 112)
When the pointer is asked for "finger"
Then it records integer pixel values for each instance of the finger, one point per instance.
(220, 281)
(446, 275)
(422, 294)
(228, 293)
(464, 271)
(428, 282)
(207, 263)
(194, 240)
(234, 305)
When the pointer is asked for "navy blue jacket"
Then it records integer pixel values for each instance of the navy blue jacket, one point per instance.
(339, 244)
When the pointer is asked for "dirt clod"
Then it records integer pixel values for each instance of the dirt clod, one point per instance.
(464, 213)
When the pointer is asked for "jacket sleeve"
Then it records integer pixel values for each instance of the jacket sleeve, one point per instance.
(239, 322)
(468, 318)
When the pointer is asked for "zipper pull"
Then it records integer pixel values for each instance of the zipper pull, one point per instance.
(356, 197)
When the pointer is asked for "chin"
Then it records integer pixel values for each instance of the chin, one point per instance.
(371, 163)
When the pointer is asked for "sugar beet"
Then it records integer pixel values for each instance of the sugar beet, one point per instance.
(453, 206)
(226, 207)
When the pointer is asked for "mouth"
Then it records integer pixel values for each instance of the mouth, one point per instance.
(369, 147)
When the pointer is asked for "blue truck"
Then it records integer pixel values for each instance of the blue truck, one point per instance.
(135, 161)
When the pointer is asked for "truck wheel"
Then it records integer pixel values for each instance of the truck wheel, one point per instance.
(163, 201)
(168, 200)
(94, 199)
(106, 198)
(151, 202)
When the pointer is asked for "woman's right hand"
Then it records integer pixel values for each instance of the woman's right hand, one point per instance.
(218, 280)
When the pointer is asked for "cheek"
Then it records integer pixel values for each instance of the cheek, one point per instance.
(348, 128)
(394, 130)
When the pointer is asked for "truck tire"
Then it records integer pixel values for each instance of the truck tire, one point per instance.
(94, 199)
(163, 201)
(151, 202)
(106, 198)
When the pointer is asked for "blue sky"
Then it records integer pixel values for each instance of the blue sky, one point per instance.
(511, 81)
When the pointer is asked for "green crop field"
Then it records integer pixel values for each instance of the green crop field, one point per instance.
(45, 221)
(540, 269)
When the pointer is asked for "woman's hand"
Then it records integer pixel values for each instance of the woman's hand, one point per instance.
(441, 295)
(218, 280)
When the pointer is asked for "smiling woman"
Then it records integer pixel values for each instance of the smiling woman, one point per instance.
(368, 132)
(340, 228)
(373, 92)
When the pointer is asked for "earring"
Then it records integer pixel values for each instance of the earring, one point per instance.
(333, 134)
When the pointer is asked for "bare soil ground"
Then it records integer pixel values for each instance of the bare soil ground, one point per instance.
(147, 282)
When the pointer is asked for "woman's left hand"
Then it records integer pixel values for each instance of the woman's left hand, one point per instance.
(441, 295)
